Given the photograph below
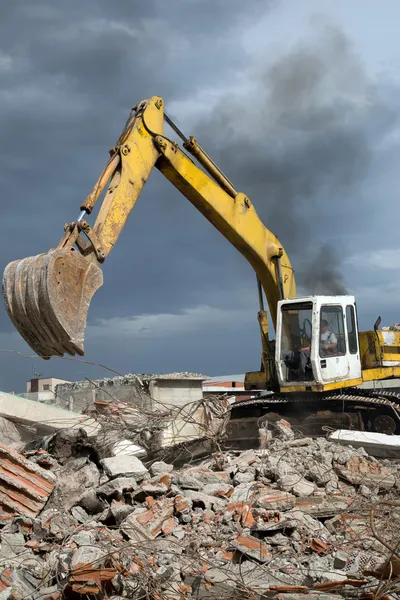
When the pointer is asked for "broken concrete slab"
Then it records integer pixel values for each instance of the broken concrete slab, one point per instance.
(304, 523)
(87, 555)
(218, 489)
(117, 487)
(379, 445)
(206, 476)
(45, 416)
(126, 448)
(323, 506)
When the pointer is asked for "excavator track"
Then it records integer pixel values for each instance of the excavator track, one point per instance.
(353, 408)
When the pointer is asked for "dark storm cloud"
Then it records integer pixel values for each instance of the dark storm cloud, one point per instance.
(301, 146)
(74, 69)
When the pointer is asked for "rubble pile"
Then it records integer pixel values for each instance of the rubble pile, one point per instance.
(297, 519)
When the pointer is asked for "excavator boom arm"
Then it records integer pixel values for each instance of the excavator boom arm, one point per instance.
(47, 297)
(232, 213)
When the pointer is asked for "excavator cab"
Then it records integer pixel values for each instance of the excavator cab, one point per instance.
(317, 345)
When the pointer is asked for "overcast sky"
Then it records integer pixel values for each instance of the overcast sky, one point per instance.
(297, 101)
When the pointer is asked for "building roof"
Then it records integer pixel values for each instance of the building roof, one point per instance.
(225, 378)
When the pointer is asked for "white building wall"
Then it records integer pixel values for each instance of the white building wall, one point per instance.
(187, 423)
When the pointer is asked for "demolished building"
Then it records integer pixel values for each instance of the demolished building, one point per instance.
(298, 519)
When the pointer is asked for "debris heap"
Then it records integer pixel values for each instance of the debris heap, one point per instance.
(297, 519)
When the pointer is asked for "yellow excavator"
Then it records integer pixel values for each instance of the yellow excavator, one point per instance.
(317, 361)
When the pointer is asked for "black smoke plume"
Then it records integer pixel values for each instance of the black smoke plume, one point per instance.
(300, 145)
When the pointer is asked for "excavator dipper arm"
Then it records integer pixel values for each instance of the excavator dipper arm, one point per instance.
(61, 283)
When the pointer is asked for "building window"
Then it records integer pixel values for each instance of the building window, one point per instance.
(331, 336)
(351, 329)
(46, 387)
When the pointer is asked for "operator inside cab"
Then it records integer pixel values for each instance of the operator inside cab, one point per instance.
(328, 340)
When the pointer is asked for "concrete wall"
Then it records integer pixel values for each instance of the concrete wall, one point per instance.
(183, 394)
(81, 395)
(176, 392)
(154, 394)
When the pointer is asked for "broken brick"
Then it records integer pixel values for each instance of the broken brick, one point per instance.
(318, 546)
(168, 526)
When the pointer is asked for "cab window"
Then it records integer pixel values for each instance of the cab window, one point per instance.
(351, 329)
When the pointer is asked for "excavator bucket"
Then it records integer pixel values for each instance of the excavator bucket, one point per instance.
(47, 298)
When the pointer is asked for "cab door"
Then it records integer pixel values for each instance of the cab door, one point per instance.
(334, 363)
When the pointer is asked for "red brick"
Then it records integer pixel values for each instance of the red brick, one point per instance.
(247, 518)
(168, 526)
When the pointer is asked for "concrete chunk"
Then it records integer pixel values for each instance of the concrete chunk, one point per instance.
(148, 524)
(116, 487)
(340, 559)
(12, 544)
(218, 489)
(209, 502)
(86, 555)
(366, 471)
(296, 483)
(206, 476)
(160, 468)
(116, 466)
(252, 547)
